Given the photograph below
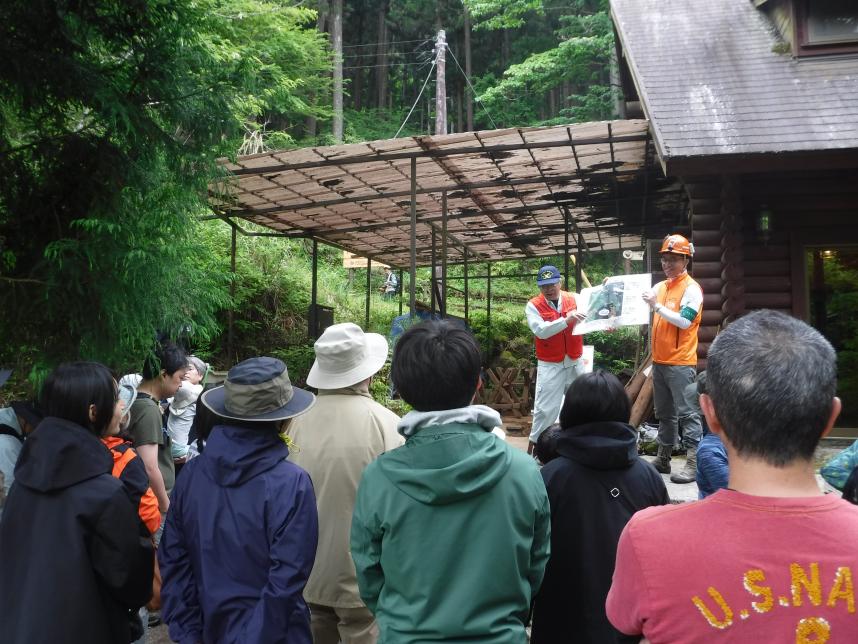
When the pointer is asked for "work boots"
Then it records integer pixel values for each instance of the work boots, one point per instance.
(662, 459)
(687, 474)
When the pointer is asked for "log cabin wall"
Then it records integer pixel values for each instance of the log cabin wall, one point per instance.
(808, 208)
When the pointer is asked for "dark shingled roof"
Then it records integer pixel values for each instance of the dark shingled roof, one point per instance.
(712, 86)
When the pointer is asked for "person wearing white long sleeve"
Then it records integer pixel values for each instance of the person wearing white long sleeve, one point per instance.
(551, 316)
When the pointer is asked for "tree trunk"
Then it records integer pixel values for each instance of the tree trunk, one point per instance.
(321, 24)
(460, 98)
(469, 99)
(381, 59)
(337, 44)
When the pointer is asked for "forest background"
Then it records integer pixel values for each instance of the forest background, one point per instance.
(113, 114)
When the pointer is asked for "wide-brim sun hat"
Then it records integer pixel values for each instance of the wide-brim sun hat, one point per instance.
(258, 390)
(127, 394)
(345, 356)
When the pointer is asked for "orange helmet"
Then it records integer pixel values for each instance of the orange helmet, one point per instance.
(677, 244)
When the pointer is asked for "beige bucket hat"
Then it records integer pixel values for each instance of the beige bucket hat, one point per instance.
(345, 356)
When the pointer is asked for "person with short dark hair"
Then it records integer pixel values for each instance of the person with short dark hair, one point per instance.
(74, 566)
(596, 483)
(162, 376)
(450, 533)
(241, 533)
(782, 558)
(545, 450)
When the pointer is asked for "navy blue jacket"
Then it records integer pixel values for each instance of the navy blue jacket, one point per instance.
(239, 543)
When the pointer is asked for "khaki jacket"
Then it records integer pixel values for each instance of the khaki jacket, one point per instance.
(341, 434)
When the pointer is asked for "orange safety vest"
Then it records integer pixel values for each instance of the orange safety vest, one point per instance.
(670, 344)
(562, 344)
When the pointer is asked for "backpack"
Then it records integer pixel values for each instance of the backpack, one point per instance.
(850, 489)
(6, 430)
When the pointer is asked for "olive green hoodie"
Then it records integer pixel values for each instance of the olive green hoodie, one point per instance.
(451, 532)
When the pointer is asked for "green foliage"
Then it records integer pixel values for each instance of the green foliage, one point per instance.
(501, 14)
(111, 117)
(581, 61)
(288, 55)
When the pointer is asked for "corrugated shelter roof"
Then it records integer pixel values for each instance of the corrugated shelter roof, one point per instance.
(508, 192)
(715, 91)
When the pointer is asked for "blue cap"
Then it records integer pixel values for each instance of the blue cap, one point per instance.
(547, 275)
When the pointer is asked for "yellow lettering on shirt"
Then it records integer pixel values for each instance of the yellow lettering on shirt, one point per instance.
(842, 589)
(798, 578)
(757, 575)
(812, 630)
(709, 615)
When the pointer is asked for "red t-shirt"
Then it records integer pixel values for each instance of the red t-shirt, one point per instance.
(739, 568)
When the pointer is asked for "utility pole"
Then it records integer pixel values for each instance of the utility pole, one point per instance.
(440, 83)
(337, 44)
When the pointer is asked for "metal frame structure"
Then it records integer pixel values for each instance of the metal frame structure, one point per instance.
(486, 196)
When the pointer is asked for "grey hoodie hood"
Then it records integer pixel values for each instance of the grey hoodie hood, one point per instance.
(448, 456)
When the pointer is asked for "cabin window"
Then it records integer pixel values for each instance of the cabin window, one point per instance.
(826, 26)
(832, 289)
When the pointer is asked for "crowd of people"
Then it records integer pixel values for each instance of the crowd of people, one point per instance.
(299, 517)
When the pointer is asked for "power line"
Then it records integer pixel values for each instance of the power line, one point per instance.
(419, 62)
(388, 42)
(417, 100)
(468, 81)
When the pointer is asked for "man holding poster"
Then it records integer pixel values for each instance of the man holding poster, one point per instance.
(677, 305)
(552, 316)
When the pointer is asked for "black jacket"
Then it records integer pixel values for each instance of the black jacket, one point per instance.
(72, 563)
(594, 486)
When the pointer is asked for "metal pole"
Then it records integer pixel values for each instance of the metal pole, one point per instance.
(432, 273)
(566, 248)
(466, 286)
(413, 267)
(314, 293)
(368, 290)
(401, 291)
(444, 253)
(579, 280)
(488, 308)
(230, 318)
